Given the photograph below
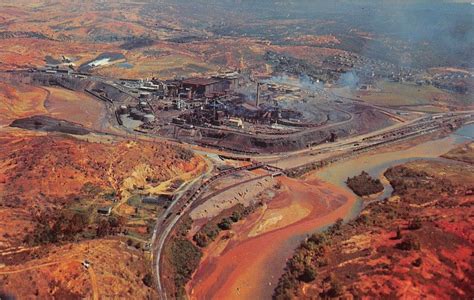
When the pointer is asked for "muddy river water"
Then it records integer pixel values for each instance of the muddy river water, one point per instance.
(377, 164)
(249, 266)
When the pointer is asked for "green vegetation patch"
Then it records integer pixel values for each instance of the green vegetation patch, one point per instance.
(209, 232)
(364, 185)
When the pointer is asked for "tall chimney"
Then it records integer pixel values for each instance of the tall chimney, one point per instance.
(257, 101)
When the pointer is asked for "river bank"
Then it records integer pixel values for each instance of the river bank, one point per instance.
(248, 266)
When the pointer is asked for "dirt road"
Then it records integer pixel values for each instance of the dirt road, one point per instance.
(90, 270)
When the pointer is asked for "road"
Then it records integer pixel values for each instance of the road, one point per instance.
(190, 193)
(164, 226)
(408, 130)
(180, 206)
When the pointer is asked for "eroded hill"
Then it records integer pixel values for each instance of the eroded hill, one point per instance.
(52, 188)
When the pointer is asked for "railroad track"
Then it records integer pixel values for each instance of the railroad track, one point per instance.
(171, 219)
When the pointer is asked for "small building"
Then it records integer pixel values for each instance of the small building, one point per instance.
(86, 264)
(148, 118)
(105, 210)
(123, 110)
(236, 122)
(160, 199)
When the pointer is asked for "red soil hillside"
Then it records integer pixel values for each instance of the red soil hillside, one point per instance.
(51, 187)
(20, 102)
(50, 172)
(56, 272)
(417, 244)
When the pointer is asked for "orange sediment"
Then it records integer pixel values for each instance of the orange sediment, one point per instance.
(249, 267)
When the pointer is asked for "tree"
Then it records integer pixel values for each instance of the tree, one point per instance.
(148, 280)
(317, 238)
(236, 216)
(103, 228)
(75, 224)
(399, 233)
(309, 274)
(333, 229)
(201, 239)
(409, 243)
(415, 223)
(335, 289)
(225, 224)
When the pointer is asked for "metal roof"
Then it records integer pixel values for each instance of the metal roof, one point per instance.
(201, 81)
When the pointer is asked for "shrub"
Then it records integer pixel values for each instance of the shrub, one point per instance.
(225, 224)
(148, 280)
(236, 216)
(409, 243)
(364, 185)
(52, 228)
(309, 274)
(184, 226)
(417, 262)
(415, 224)
(185, 259)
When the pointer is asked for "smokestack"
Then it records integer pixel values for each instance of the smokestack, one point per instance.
(257, 101)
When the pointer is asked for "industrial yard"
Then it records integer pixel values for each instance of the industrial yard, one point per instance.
(235, 150)
(252, 129)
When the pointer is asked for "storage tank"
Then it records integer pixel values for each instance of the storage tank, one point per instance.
(123, 109)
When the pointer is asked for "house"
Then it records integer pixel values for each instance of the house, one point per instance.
(104, 210)
(86, 264)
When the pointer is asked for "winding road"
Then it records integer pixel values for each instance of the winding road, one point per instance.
(412, 130)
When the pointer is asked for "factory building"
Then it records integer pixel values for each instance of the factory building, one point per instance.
(210, 87)
(204, 87)
(235, 122)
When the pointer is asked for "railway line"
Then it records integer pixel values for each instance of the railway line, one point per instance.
(340, 150)
(299, 161)
(175, 212)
